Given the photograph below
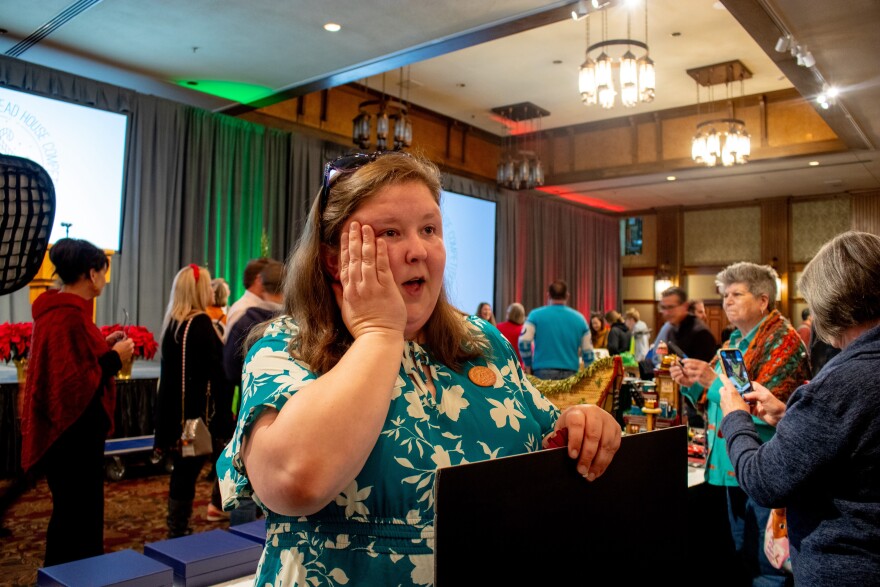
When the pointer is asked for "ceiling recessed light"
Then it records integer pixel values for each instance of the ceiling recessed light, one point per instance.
(557, 61)
(813, 163)
(670, 178)
(676, 34)
(332, 27)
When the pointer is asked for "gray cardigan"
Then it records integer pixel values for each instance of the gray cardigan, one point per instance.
(823, 465)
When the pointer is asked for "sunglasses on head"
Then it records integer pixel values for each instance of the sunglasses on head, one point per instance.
(346, 164)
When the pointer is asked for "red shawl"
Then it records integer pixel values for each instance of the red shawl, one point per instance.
(777, 357)
(63, 372)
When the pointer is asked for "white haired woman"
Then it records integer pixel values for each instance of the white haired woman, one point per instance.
(776, 357)
(823, 463)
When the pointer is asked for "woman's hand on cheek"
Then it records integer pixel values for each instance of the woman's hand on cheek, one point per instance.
(593, 438)
(367, 294)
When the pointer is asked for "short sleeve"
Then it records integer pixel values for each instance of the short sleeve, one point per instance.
(507, 365)
(270, 376)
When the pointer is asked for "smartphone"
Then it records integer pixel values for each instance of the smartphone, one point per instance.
(735, 368)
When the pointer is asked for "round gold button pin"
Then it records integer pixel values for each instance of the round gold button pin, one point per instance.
(482, 376)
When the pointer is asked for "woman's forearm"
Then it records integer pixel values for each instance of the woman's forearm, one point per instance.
(300, 458)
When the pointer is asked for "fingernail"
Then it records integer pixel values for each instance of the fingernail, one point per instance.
(582, 470)
(573, 453)
(591, 476)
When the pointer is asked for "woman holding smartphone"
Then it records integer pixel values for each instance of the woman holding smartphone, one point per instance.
(774, 356)
(832, 496)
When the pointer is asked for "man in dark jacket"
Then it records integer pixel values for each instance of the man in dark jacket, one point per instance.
(689, 334)
(235, 349)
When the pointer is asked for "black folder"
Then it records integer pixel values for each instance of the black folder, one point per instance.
(531, 519)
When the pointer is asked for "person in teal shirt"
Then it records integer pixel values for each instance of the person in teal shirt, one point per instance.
(776, 357)
(370, 382)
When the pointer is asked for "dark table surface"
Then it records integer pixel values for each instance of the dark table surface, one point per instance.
(134, 411)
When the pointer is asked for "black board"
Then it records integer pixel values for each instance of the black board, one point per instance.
(531, 517)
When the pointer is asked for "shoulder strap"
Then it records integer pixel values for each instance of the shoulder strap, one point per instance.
(183, 381)
(183, 375)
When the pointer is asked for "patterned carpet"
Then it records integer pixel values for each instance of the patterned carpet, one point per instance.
(134, 514)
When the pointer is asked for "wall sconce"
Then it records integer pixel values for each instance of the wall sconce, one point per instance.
(662, 281)
(773, 265)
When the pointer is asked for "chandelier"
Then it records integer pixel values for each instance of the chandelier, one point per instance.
(520, 165)
(391, 117)
(723, 140)
(636, 77)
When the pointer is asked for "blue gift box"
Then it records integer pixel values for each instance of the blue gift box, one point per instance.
(123, 568)
(255, 530)
(207, 558)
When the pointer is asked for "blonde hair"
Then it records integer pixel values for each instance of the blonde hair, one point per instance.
(633, 314)
(516, 313)
(323, 338)
(188, 296)
(221, 291)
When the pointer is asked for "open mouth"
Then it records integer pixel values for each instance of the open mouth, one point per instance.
(414, 286)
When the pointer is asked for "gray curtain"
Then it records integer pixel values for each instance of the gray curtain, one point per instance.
(541, 239)
(205, 188)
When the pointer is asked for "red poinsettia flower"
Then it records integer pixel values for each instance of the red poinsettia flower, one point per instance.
(15, 340)
(145, 345)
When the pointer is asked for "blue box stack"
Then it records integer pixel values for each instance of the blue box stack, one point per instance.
(255, 531)
(207, 558)
(123, 568)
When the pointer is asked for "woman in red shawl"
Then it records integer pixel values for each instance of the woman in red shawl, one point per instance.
(70, 398)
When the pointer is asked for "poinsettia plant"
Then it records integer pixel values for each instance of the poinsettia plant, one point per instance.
(145, 345)
(15, 340)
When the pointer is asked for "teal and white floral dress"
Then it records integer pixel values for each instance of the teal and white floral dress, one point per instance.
(380, 529)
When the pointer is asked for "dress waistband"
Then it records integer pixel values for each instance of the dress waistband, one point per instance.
(379, 528)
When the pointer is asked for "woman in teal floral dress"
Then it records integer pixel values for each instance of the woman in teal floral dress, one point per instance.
(370, 382)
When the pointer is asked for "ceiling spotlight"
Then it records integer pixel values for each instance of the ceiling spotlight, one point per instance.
(814, 163)
(807, 59)
(670, 178)
(783, 44)
(827, 97)
(580, 10)
(802, 54)
(332, 27)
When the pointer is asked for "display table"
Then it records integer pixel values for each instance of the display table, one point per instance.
(135, 398)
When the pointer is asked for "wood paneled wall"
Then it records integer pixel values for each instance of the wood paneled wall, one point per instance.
(808, 221)
(782, 122)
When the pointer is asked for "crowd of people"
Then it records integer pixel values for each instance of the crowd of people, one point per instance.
(338, 383)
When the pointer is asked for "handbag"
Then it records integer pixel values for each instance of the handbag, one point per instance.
(776, 540)
(195, 439)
